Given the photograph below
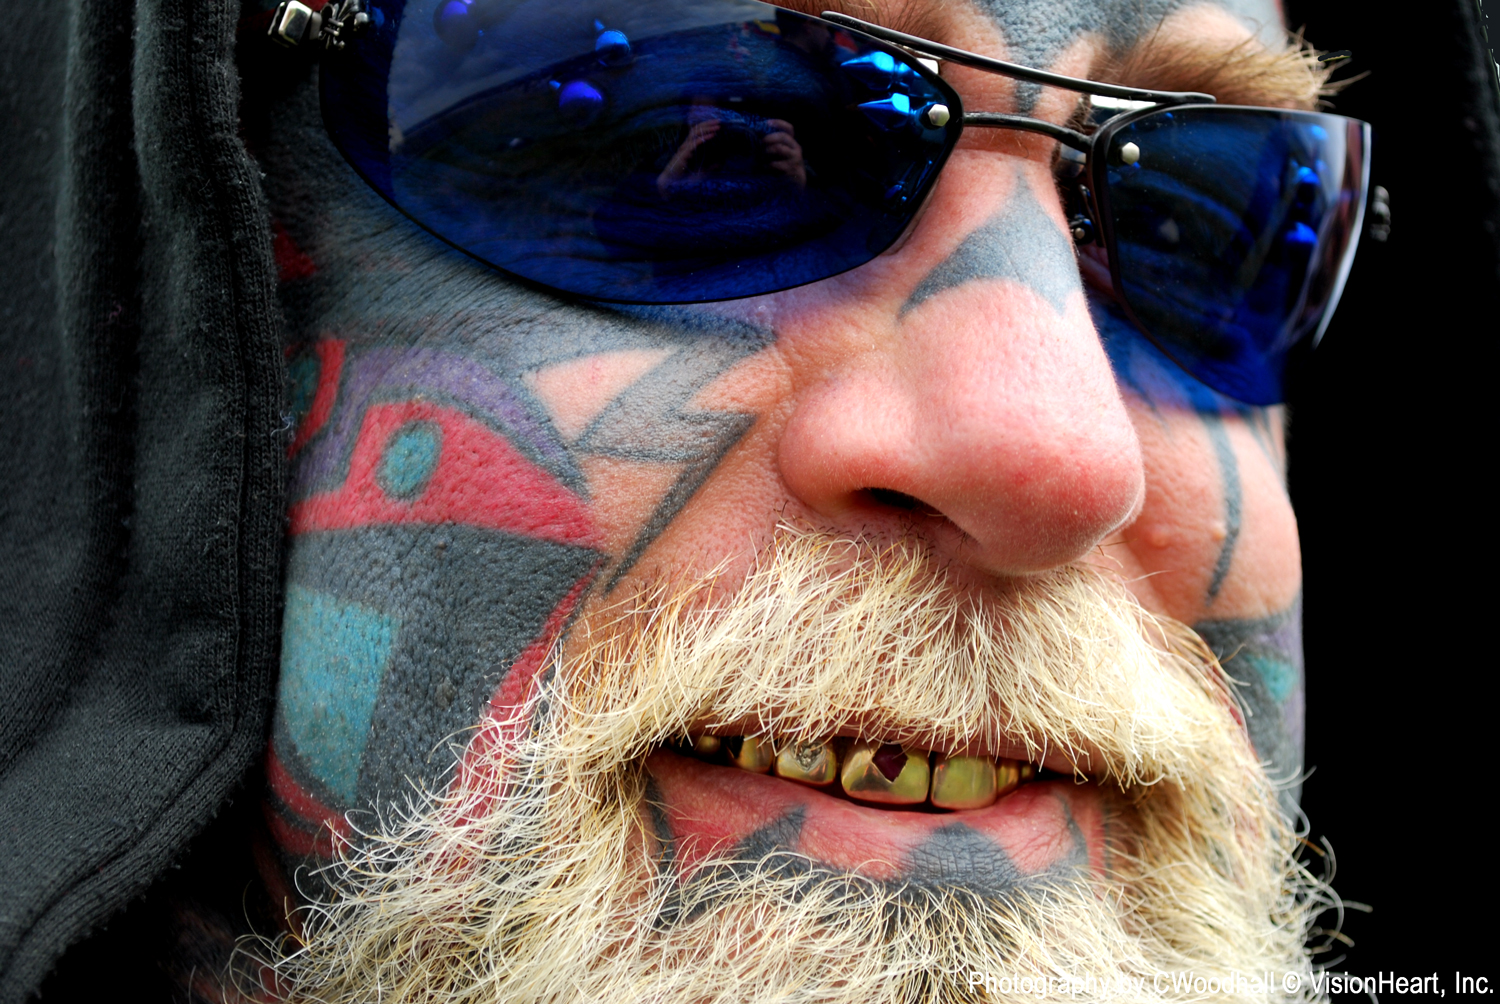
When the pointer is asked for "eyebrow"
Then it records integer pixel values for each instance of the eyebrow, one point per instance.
(1243, 74)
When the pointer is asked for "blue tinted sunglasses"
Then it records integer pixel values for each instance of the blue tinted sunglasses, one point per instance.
(681, 151)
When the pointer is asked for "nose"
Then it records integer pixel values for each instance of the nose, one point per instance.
(959, 380)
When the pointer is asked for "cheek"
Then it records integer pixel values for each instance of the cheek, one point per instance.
(1217, 536)
(689, 516)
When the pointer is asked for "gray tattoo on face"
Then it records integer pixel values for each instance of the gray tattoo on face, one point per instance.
(1020, 243)
(1037, 31)
(443, 530)
(951, 857)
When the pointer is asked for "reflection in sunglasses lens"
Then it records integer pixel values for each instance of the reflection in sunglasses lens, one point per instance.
(1233, 231)
(670, 152)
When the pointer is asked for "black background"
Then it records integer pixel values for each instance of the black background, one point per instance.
(1390, 450)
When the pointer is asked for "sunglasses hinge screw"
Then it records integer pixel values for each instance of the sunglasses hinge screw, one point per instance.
(295, 23)
(936, 116)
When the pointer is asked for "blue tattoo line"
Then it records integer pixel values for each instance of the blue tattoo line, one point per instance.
(1263, 657)
(1229, 472)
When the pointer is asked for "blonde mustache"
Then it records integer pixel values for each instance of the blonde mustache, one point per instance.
(827, 636)
(535, 876)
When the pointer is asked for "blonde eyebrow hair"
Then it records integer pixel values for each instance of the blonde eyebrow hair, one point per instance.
(1245, 74)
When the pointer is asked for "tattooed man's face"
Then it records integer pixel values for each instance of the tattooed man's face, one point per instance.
(841, 643)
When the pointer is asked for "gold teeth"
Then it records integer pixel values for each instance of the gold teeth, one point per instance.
(964, 782)
(749, 753)
(885, 773)
(808, 763)
(1010, 775)
(873, 772)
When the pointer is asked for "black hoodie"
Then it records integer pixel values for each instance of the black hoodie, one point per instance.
(142, 471)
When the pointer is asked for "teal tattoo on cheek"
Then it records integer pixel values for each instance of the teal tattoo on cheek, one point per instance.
(1020, 243)
(1264, 657)
(441, 534)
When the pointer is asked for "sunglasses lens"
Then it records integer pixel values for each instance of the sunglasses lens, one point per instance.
(1234, 231)
(660, 152)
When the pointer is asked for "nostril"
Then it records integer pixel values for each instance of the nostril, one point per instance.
(900, 500)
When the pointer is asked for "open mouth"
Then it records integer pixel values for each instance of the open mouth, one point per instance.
(885, 775)
(877, 809)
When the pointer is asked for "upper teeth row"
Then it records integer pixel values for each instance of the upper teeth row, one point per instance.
(872, 771)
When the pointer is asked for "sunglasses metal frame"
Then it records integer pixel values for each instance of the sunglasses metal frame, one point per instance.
(998, 120)
(295, 24)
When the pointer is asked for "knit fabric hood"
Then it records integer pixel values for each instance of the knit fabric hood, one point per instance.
(143, 464)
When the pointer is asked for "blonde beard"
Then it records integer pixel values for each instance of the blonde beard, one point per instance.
(538, 876)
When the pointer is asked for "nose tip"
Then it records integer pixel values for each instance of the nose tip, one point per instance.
(1032, 480)
(975, 383)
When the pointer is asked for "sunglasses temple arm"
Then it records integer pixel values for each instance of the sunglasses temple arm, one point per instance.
(1005, 69)
(997, 120)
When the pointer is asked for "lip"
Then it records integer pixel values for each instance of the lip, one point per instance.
(710, 810)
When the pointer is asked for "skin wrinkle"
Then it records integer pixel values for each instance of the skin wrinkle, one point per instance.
(1020, 242)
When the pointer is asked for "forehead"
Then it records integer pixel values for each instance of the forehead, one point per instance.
(1036, 32)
